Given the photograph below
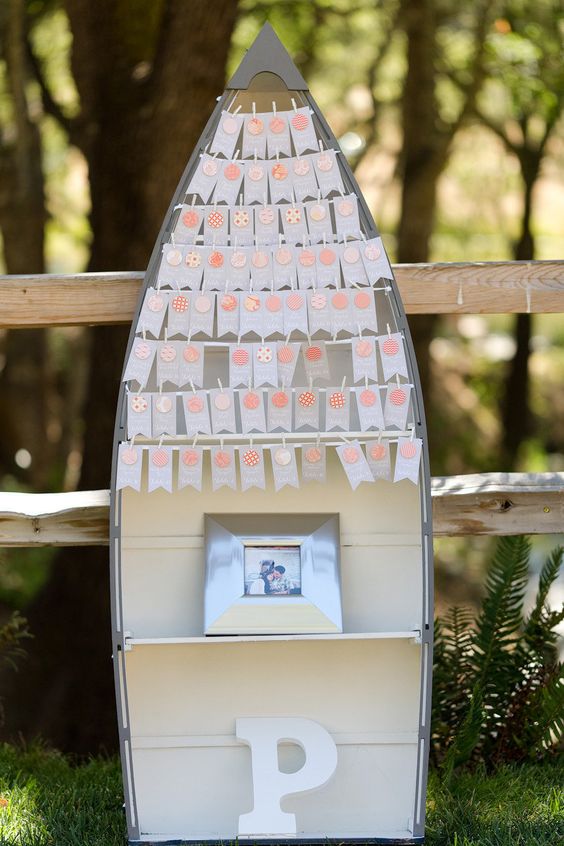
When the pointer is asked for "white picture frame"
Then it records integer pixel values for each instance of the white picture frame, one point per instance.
(272, 574)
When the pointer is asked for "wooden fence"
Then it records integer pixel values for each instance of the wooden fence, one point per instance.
(480, 504)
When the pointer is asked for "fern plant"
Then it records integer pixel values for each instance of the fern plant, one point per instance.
(12, 632)
(498, 684)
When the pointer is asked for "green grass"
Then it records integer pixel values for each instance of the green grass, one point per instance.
(49, 802)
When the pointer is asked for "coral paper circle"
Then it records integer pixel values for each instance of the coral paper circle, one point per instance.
(232, 172)
(279, 171)
(251, 400)
(142, 351)
(313, 353)
(251, 458)
(327, 256)
(256, 172)
(285, 354)
(160, 458)
(337, 400)
(273, 303)
(283, 457)
(194, 404)
(180, 303)
(222, 401)
(277, 125)
(163, 405)
(215, 259)
(167, 353)
(318, 301)
(313, 455)
(408, 450)
(300, 121)
(362, 299)
(228, 302)
(222, 459)
(191, 354)
(306, 399)
(139, 404)
(350, 455)
(377, 452)
(155, 303)
(215, 219)
(398, 397)
(283, 256)
(363, 349)
(240, 356)
(252, 303)
(255, 126)
(390, 346)
(294, 301)
(367, 398)
(340, 300)
(129, 456)
(280, 399)
(190, 219)
(190, 457)
(307, 258)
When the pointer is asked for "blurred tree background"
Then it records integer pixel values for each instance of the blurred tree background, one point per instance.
(451, 115)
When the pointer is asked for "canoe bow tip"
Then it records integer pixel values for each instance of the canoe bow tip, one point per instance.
(267, 54)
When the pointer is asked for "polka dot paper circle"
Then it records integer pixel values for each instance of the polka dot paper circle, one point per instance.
(264, 355)
(193, 259)
(190, 219)
(241, 218)
(139, 404)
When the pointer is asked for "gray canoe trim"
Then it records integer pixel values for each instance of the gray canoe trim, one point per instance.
(267, 54)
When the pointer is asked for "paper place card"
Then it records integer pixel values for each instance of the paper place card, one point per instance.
(376, 261)
(354, 464)
(164, 414)
(188, 224)
(190, 466)
(364, 359)
(251, 467)
(303, 178)
(284, 466)
(279, 181)
(227, 134)
(347, 220)
(337, 409)
(396, 405)
(204, 178)
(303, 131)
(256, 182)
(314, 463)
(306, 267)
(316, 361)
(129, 467)
(254, 136)
(191, 364)
(278, 135)
(196, 413)
(140, 361)
(178, 322)
(319, 221)
(139, 420)
(378, 458)
(392, 355)
(318, 312)
(153, 310)
(408, 459)
(160, 468)
(242, 225)
(351, 264)
(266, 225)
(223, 467)
(369, 407)
(306, 409)
(222, 405)
(279, 410)
(295, 312)
(327, 173)
(251, 407)
(240, 364)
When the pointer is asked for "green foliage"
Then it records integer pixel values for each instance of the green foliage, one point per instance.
(498, 683)
(11, 635)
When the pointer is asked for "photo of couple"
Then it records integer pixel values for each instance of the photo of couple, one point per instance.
(272, 571)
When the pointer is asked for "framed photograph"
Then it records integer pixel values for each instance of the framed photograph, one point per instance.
(272, 574)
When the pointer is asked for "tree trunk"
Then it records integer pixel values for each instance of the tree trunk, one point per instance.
(147, 78)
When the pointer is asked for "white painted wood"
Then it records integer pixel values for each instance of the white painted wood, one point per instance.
(414, 634)
(340, 738)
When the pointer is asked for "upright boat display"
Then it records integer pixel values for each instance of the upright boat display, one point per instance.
(271, 540)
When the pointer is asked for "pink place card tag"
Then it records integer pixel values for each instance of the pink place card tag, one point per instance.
(222, 404)
(140, 361)
(294, 223)
(240, 364)
(261, 269)
(328, 265)
(227, 310)
(223, 467)
(306, 265)
(376, 261)
(295, 312)
(354, 464)
(168, 360)
(139, 421)
(256, 181)
(160, 468)
(278, 135)
(337, 409)
(347, 220)
(227, 134)
(265, 364)
(188, 224)
(316, 361)
(314, 463)
(302, 129)
(251, 467)
(278, 410)
(279, 180)
(303, 178)
(242, 225)
(378, 458)
(251, 310)
(204, 178)
(174, 269)
(190, 466)
(229, 182)
(319, 221)
(129, 467)
(287, 356)
(202, 314)
(178, 322)
(396, 405)
(284, 466)
(392, 355)
(153, 310)
(196, 413)
(267, 225)
(216, 224)
(369, 408)
(191, 364)
(341, 313)
(164, 414)
(237, 269)
(254, 136)
(306, 408)
(215, 265)
(364, 359)
(284, 266)
(318, 312)
(251, 406)
(408, 459)
(364, 310)
(328, 173)
(351, 264)
(272, 314)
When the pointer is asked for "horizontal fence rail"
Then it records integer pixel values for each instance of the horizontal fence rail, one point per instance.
(455, 288)
(481, 504)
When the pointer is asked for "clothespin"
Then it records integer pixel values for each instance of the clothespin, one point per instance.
(294, 105)
(192, 386)
(220, 385)
(254, 107)
(274, 108)
(343, 383)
